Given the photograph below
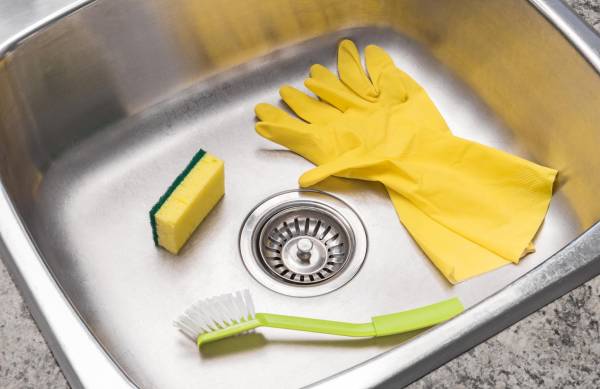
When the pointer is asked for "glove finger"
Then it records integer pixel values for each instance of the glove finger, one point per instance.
(329, 88)
(386, 76)
(277, 125)
(270, 113)
(285, 130)
(308, 108)
(352, 73)
(321, 73)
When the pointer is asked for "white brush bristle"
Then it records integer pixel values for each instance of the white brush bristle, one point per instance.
(216, 313)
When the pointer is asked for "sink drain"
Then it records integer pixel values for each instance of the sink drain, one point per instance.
(303, 243)
(306, 244)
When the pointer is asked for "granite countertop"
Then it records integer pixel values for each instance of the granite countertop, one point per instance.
(558, 346)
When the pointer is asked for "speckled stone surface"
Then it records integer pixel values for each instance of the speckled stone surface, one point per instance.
(556, 347)
(589, 10)
(25, 361)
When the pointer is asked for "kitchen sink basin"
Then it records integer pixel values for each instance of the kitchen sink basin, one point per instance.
(102, 104)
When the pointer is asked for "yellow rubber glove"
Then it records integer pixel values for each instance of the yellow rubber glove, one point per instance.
(470, 207)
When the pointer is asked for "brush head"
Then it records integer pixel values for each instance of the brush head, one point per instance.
(216, 314)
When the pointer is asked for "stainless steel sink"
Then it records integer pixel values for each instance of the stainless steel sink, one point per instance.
(103, 103)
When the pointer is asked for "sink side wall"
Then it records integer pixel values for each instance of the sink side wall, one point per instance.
(112, 60)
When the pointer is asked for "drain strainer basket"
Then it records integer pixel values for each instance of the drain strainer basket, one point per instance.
(303, 243)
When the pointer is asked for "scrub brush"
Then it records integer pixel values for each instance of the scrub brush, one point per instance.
(231, 314)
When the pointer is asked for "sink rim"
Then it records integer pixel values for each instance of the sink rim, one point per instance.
(69, 338)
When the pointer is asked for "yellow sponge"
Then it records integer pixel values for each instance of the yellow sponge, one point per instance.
(187, 201)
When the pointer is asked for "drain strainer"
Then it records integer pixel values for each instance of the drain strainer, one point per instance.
(303, 243)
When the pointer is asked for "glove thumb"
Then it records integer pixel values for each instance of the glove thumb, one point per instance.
(342, 166)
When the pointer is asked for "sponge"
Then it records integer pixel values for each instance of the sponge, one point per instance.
(187, 201)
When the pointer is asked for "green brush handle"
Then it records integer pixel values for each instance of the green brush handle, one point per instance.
(418, 318)
(316, 325)
(290, 323)
(394, 323)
